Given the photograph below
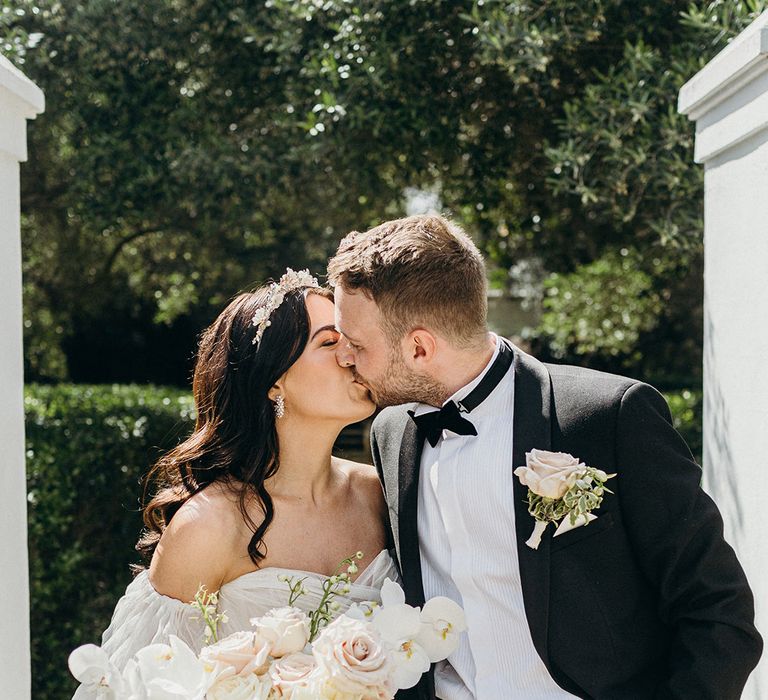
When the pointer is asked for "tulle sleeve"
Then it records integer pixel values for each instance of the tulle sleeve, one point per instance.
(143, 616)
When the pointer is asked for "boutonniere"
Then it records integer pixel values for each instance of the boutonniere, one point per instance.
(560, 488)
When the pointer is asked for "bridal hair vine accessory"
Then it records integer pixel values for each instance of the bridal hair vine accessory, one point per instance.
(290, 281)
(560, 488)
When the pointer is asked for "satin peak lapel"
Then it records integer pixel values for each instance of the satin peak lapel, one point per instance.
(532, 430)
(408, 495)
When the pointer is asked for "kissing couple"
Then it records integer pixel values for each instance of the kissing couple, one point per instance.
(632, 592)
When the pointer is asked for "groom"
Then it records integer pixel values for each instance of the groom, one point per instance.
(645, 601)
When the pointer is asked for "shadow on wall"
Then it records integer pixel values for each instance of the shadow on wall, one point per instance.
(746, 148)
(720, 477)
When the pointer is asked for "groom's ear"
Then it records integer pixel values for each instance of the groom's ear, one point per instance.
(422, 346)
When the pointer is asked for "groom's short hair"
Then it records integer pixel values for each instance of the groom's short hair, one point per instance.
(420, 270)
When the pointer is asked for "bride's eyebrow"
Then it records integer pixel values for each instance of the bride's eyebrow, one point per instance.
(330, 327)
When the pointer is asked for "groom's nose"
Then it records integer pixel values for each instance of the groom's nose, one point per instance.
(344, 355)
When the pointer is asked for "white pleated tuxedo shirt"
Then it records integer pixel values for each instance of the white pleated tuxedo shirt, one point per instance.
(468, 549)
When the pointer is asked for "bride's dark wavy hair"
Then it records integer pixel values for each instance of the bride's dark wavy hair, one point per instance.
(234, 440)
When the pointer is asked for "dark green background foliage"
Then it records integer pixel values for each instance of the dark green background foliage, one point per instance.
(190, 148)
(87, 448)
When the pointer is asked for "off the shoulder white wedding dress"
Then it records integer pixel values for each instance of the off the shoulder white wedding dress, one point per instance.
(143, 616)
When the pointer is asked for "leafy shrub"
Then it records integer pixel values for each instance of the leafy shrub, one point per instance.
(686, 406)
(87, 448)
(601, 309)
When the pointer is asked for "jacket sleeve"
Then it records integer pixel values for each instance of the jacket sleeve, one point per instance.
(677, 532)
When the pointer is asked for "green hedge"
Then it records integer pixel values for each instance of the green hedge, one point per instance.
(87, 448)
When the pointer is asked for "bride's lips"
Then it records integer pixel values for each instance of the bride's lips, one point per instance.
(362, 386)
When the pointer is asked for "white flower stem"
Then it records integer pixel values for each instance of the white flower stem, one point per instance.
(538, 530)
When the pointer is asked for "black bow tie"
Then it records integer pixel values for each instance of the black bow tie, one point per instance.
(449, 417)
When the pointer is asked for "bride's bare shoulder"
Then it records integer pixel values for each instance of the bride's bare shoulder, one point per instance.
(199, 545)
(212, 510)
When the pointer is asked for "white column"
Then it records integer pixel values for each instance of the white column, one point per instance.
(728, 100)
(19, 100)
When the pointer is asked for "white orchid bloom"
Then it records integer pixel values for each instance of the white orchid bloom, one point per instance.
(442, 621)
(364, 611)
(392, 593)
(90, 665)
(395, 620)
(134, 686)
(399, 624)
(357, 612)
(409, 661)
(173, 672)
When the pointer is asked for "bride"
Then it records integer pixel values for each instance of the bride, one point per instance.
(255, 493)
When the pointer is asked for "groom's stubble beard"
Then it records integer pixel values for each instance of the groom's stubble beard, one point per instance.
(399, 384)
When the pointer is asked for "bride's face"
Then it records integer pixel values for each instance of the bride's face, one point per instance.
(315, 387)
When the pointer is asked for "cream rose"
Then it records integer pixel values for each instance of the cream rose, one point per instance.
(352, 655)
(549, 474)
(286, 630)
(243, 652)
(291, 672)
(243, 687)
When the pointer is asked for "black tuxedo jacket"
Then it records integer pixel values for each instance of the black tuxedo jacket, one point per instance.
(647, 601)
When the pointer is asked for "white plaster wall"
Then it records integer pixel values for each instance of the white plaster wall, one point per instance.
(14, 578)
(736, 361)
(19, 100)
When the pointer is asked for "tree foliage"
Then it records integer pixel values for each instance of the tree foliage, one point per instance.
(191, 148)
(602, 308)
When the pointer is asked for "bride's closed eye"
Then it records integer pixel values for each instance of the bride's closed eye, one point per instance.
(330, 341)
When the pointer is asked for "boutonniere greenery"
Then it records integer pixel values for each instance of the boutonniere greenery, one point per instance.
(561, 490)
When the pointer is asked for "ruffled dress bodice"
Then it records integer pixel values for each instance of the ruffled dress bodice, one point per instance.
(143, 616)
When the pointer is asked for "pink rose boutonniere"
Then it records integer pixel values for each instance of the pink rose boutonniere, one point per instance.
(561, 489)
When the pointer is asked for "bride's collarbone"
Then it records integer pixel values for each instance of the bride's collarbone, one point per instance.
(321, 545)
(318, 541)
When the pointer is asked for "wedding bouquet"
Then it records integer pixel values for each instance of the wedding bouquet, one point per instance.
(368, 653)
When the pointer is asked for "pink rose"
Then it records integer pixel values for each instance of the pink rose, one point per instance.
(291, 672)
(242, 687)
(241, 651)
(549, 474)
(351, 654)
(286, 630)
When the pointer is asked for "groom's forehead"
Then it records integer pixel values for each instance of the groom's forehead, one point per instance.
(353, 302)
(354, 310)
